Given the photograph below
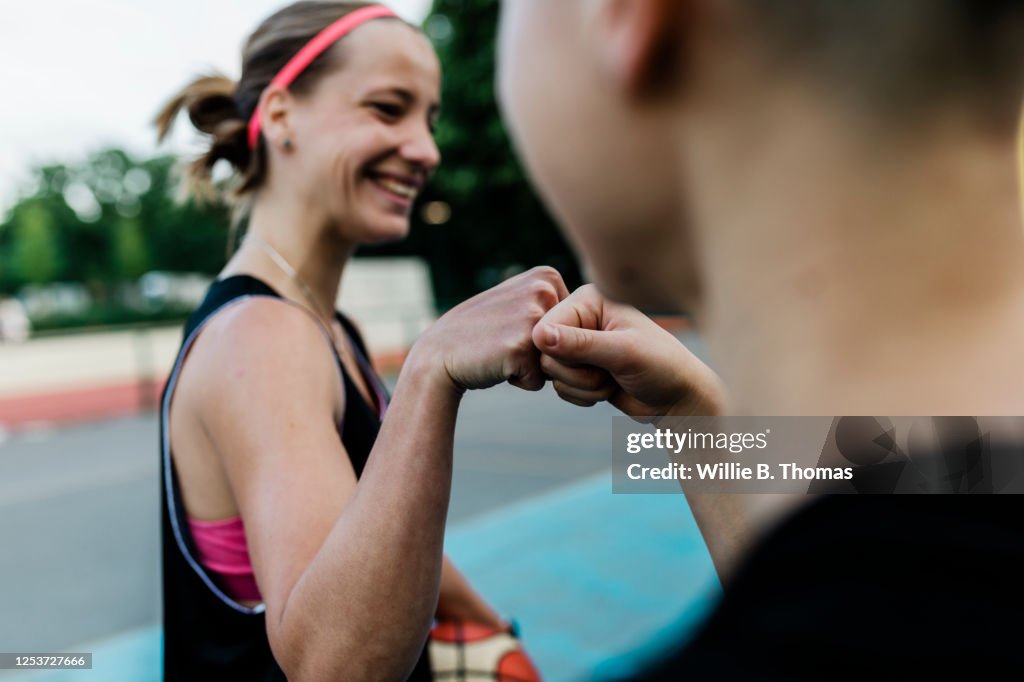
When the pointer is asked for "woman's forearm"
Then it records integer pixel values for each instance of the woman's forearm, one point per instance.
(363, 607)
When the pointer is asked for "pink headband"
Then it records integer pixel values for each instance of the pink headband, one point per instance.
(313, 49)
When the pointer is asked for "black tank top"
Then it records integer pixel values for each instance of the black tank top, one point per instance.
(208, 635)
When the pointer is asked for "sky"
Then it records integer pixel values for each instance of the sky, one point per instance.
(81, 75)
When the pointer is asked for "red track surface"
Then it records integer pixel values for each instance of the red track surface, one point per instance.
(76, 405)
(120, 399)
(105, 401)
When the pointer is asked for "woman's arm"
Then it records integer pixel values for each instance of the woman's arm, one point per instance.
(350, 573)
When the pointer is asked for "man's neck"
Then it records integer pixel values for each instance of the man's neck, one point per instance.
(860, 276)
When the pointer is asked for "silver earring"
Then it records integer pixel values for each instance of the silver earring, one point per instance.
(286, 143)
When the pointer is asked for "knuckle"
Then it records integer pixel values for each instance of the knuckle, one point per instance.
(549, 297)
(542, 290)
(512, 345)
(534, 314)
(546, 271)
(548, 364)
(582, 340)
(521, 347)
(592, 379)
(533, 383)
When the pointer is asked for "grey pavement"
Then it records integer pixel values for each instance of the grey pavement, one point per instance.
(79, 507)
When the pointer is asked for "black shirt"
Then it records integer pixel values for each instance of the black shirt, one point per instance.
(905, 587)
(207, 635)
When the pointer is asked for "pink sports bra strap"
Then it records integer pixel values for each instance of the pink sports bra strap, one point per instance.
(222, 549)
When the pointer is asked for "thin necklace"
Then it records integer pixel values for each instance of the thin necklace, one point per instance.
(286, 267)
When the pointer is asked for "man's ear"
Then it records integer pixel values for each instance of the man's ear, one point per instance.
(645, 41)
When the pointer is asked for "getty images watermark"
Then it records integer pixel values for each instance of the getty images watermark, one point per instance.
(866, 455)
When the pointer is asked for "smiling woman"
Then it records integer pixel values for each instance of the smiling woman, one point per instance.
(379, 85)
(303, 511)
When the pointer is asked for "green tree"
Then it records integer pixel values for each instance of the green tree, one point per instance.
(108, 218)
(35, 255)
(182, 237)
(130, 260)
(113, 216)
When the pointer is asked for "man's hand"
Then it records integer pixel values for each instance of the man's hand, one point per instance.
(598, 350)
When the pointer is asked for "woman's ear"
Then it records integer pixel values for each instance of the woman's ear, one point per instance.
(644, 41)
(276, 125)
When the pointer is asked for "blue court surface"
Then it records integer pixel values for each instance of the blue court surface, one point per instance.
(600, 583)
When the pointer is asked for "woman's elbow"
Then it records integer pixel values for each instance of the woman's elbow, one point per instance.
(310, 654)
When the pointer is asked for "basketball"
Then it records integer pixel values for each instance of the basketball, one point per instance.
(469, 652)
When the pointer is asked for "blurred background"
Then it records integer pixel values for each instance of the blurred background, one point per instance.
(91, 232)
(100, 263)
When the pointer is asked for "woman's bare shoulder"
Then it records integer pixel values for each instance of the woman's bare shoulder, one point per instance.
(266, 348)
